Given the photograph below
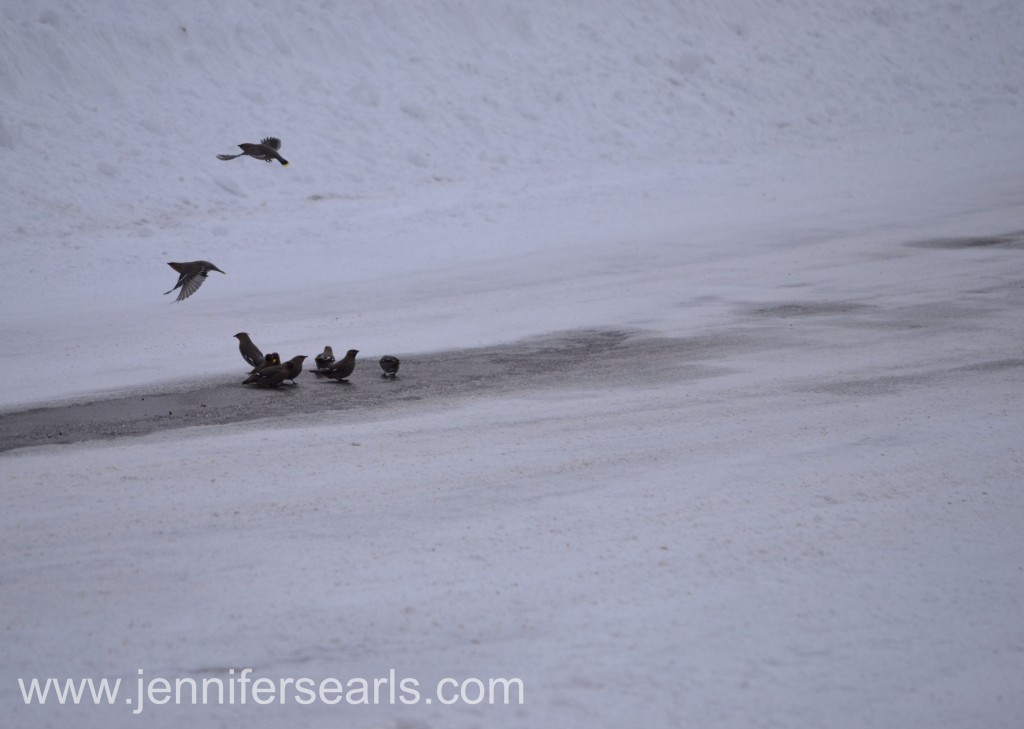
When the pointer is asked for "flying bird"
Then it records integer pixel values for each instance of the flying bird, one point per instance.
(266, 150)
(342, 368)
(250, 352)
(389, 364)
(325, 358)
(191, 277)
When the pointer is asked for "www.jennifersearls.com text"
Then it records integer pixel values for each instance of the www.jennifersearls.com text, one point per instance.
(241, 688)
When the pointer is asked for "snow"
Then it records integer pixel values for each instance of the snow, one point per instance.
(805, 512)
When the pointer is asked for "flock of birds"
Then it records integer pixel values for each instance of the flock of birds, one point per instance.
(268, 370)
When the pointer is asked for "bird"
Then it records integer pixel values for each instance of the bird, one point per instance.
(250, 352)
(389, 364)
(296, 367)
(270, 376)
(274, 375)
(325, 358)
(192, 275)
(266, 150)
(269, 360)
(342, 368)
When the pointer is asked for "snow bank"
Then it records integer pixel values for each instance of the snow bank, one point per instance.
(822, 529)
(113, 112)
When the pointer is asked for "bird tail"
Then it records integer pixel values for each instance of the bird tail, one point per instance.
(282, 160)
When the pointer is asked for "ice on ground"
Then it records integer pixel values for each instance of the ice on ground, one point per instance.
(807, 514)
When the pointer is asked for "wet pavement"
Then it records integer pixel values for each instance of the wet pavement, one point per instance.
(586, 358)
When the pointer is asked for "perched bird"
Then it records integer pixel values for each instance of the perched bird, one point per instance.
(270, 376)
(266, 150)
(390, 365)
(296, 367)
(250, 352)
(274, 375)
(342, 368)
(191, 277)
(325, 358)
(269, 360)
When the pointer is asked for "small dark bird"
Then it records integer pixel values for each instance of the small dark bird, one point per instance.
(296, 367)
(341, 369)
(390, 365)
(266, 150)
(274, 375)
(270, 376)
(191, 277)
(325, 358)
(250, 352)
(269, 360)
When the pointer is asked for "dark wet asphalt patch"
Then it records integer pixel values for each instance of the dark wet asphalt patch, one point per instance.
(591, 358)
(788, 309)
(1007, 240)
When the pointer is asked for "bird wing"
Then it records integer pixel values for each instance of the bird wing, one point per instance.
(272, 142)
(229, 156)
(190, 283)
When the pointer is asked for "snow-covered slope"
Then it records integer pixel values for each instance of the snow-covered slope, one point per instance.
(809, 517)
(424, 137)
(112, 112)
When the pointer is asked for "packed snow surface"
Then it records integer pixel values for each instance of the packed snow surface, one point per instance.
(787, 495)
